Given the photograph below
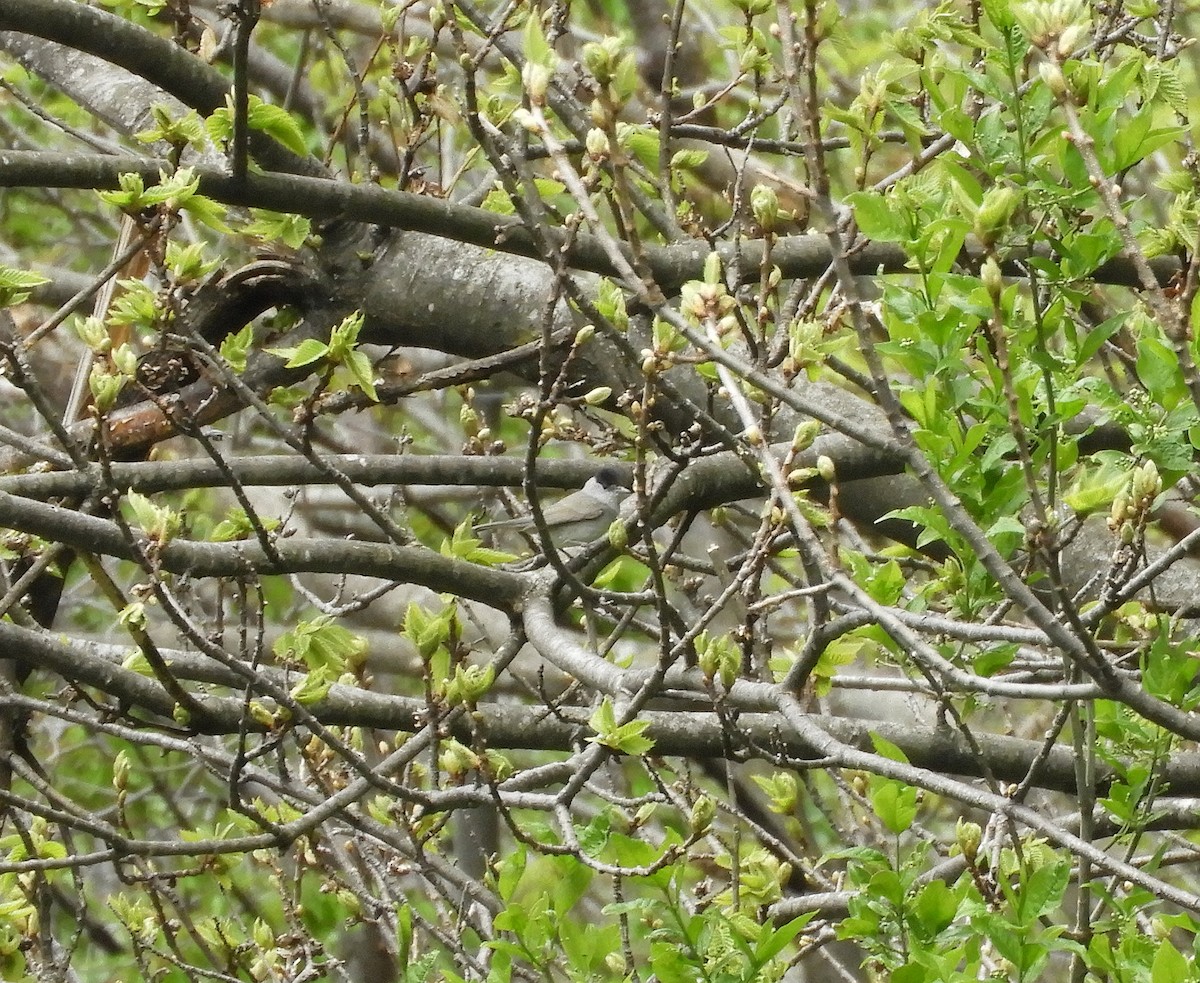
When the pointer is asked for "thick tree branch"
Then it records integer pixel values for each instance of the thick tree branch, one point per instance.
(686, 733)
(135, 49)
(796, 256)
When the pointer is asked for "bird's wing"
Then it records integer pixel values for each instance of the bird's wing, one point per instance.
(583, 510)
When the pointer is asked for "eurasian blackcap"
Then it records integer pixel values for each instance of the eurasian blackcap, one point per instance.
(581, 517)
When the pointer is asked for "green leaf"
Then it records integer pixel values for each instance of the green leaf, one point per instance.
(642, 142)
(875, 217)
(912, 972)
(781, 789)
(537, 48)
(509, 870)
(840, 652)
(308, 351)
(15, 285)
(895, 804)
(1098, 336)
(278, 123)
(999, 12)
(321, 643)
(885, 885)
(158, 522)
(1135, 140)
(431, 633)
(1158, 370)
(172, 190)
(991, 661)
(1042, 891)
(773, 940)
(887, 749)
(626, 738)
(688, 160)
(1169, 965)
(292, 230)
(235, 349)
(237, 526)
(187, 130)
(344, 336)
(360, 368)
(465, 545)
(934, 907)
(313, 686)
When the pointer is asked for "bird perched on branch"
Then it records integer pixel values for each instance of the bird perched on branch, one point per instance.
(581, 517)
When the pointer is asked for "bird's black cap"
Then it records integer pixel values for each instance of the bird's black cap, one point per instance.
(610, 477)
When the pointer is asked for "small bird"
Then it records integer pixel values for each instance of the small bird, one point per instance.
(581, 517)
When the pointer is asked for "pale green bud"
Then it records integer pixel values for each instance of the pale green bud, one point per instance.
(805, 434)
(437, 17)
(1053, 77)
(1147, 483)
(730, 664)
(536, 78)
(597, 144)
(764, 204)
(993, 279)
(597, 396)
(703, 812)
(468, 419)
(457, 759)
(94, 334)
(712, 268)
(618, 535)
(121, 771)
(969, 836)
(997, 208)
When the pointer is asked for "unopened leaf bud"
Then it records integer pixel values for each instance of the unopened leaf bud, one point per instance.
(469, 420)
(526, 120)
(125, 359)
(1147, 483)
(1052, 75)
(1070, 38)
(994, 212)
(712, 268)
(92, 332)
(969, 836)
(618, 535)
(121, 771)
(104, 387)
(457, 759)
(764, 203)
(707, 657)
(703, 812)
(992, 278)
(536, 78)
(730, 665)
(597, 396)
(597, 144)
(805, 434)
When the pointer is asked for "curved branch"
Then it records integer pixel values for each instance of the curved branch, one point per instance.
(145, 54)
(797, 256)
(409, 564)
(693, 734)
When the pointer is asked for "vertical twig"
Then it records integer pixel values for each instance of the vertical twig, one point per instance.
(246, 16)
